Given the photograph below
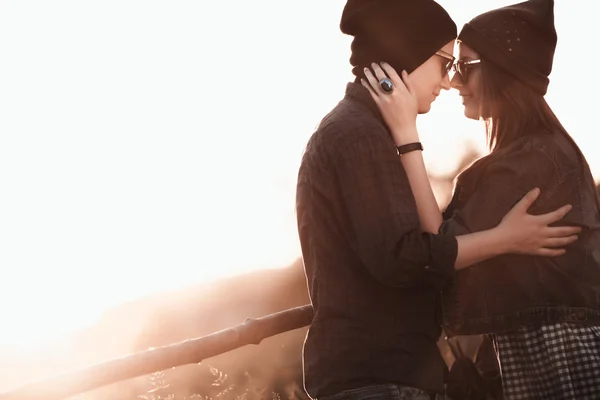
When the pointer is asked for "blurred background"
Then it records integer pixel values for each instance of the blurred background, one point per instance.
(148, 158)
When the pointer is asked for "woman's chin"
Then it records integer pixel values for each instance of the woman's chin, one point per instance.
(471, 114)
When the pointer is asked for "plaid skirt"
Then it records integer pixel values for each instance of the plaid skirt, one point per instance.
(550, 362)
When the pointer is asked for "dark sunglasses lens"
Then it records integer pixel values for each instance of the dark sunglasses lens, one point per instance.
(462, 71)
(446, 68)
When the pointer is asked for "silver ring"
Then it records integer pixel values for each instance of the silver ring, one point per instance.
(386, 85)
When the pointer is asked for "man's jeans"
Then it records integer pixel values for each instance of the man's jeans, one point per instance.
(383, 392)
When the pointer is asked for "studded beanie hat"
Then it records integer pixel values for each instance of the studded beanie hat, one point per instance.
(403, 33)
(520, 39)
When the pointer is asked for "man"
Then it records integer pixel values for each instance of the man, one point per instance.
(374, 276)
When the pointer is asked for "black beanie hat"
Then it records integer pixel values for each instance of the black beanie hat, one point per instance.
(520, 39)
(403, 33)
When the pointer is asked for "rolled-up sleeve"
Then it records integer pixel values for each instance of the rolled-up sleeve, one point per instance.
(382, 216)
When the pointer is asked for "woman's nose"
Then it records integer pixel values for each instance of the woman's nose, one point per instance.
(456, 81)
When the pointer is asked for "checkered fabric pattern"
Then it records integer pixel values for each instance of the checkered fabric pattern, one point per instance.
(374, 276)
(550, 362)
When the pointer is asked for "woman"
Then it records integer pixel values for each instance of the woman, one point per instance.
(543, 313)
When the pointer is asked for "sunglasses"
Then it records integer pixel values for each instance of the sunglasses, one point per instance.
(447, 66)
(461, 67)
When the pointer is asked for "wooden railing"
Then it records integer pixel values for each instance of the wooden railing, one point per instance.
(191, 351)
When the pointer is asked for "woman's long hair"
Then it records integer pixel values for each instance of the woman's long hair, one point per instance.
(511, 110)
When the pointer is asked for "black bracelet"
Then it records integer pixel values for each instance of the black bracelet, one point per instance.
(407, 148)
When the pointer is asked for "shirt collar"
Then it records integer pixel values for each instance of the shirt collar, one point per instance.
(359, 93)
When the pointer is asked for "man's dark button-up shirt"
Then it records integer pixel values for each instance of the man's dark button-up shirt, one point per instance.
(374, 277)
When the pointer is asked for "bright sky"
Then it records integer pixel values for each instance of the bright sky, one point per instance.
(146, 145)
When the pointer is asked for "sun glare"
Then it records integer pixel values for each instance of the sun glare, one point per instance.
(145, 147)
